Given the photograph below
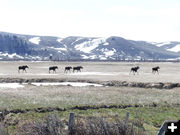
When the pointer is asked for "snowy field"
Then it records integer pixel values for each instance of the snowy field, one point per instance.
(96, 71)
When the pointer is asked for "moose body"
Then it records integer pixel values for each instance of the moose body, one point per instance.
(134, 70)
(23, 68)
(78, 68)
(53, 68)
(155, 69)
(67, 69)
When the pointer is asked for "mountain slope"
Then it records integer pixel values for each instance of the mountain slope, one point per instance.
(16, 46)
(169, 46)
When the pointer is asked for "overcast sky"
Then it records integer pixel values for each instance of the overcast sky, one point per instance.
(150, 20)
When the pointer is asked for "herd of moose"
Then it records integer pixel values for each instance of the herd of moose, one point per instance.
(78, 69)
(135, 70)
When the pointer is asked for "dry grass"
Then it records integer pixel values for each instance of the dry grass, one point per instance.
(66, 96)
(52, 125)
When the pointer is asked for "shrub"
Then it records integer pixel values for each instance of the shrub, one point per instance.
(52, 125)
(100, 126)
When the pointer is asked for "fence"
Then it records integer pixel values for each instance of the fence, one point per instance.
(72, 122)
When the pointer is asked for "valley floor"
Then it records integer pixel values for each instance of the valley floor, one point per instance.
(148, 107)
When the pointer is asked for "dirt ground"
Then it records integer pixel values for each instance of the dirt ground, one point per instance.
(97, 71)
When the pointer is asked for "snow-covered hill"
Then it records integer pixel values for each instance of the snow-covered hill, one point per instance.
(15, 46)
(169, 46)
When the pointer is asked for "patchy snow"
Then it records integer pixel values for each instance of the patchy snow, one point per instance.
(106, 43)
(175, 48)
(162, 44)
(138, 58)
(79, 84)
(85, 57)
(76, 40)
(11, 56)
(90, 45)
(108, 52)
(59, 39)
(65, 45)
(35, 40)
(11, 85)
(58, 49)
(154, 43)
(93, 57)
(102, 57)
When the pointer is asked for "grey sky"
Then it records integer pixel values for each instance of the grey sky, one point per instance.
(153, 20)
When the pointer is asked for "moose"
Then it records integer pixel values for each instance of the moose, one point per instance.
(155, 69)
(78, 68)
(67, 69)
(53, 68)
(23, 68)
(134, 70)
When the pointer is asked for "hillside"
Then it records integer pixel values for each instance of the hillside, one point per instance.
(33, 47)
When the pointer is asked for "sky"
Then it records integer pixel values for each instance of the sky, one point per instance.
(149, 20)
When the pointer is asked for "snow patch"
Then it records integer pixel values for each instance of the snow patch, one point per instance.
(11, 56)
(84, 57)
(76, 40)
(102, 58)
(106, 43)
(76, 84)
(93, 57)
(90, 45)
(162, 44)
(108, 52)
(11, 85)
(35, 40)
(59, 39)
(175, 48)
(59, 49)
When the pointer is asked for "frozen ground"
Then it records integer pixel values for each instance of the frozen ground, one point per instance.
(11, 85)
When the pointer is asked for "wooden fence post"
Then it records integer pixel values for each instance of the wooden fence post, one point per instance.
(126, 121)
(162, 129)
(127, 117)
(71, 124)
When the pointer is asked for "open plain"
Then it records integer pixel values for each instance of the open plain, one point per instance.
(99, 71)
(27, 101)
